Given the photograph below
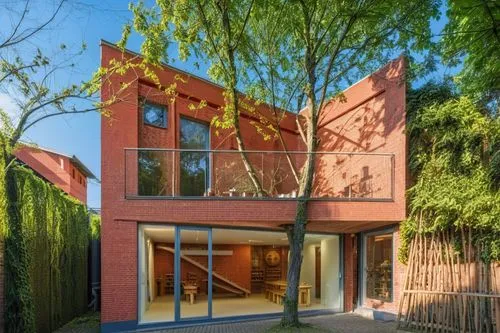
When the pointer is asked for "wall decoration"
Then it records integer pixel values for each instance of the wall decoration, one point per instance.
(272, 258)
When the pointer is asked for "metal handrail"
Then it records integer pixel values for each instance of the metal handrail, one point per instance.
(262, 151)
(174, 184)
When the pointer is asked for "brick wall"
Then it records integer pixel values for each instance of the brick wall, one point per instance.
(119, 267)
(349, 273)
(378, 100)
(236, 267)
(55, 168)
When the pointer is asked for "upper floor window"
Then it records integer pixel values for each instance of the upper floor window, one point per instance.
(155, 114)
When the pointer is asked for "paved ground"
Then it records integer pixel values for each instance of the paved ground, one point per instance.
(338, 323)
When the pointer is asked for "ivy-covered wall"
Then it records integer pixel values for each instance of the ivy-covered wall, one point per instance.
(46, 253)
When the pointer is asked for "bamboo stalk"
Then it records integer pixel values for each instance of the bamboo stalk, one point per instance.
(409, 269)
(413, 300)
(450, 278)
(424, 285)
(441, 281)
(451, 293)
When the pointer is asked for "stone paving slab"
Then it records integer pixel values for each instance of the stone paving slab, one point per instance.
(338, 323)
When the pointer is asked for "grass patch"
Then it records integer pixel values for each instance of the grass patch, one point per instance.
(303, 328)
(89, 322)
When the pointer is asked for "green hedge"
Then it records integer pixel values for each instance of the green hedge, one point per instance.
(46, 237)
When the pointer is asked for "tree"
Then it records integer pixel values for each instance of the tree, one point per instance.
(29, 77)
(284, 53)
(472, 38)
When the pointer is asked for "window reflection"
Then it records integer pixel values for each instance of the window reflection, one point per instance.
(379, 267)
(195, 175)
(155, 115)
(152, 180)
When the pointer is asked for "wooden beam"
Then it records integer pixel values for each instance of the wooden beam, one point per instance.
(200, 266)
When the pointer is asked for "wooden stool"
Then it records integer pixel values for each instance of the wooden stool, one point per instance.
(190, 291)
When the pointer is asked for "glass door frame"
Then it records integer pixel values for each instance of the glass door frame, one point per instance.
(206, 149)
(364, 240)
(177, 273)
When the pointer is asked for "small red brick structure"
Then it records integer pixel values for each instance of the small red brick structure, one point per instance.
(64, 171)
(359, 191)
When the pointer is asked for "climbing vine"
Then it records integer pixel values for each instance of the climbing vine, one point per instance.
(95, 227)
(45, 283)
(454, 159)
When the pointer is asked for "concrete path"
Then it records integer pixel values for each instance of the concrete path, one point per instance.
(338, 323)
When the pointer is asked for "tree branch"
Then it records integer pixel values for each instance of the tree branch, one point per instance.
(58, 114)
(243, 26)
(20, 38)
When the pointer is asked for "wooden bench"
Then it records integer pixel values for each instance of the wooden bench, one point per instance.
(275, 296)
(278, 297)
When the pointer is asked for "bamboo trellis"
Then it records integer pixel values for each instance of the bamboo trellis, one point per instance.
(446, 290)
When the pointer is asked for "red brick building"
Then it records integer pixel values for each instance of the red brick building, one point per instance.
(64, 171)
(186, 240)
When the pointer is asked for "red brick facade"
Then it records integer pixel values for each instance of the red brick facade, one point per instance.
(371, 120)
(59, 169)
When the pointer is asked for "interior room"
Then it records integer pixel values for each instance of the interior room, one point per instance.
(249, 269)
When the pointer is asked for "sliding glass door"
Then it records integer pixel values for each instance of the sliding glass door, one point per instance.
(156, 274)
(194, 267)
(191, 273)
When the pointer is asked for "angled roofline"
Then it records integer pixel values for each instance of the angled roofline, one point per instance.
(114, 46)
(86, 171)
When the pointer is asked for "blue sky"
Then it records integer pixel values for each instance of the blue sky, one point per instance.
(88, 21)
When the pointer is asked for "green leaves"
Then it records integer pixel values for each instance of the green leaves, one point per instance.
(472, 37)
(454, 148)
(54, 231)
(95, 226)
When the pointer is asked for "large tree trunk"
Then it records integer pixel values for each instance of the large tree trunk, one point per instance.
(296, 235)
(297, 232)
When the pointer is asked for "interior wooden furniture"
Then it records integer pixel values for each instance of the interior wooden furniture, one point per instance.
(275, 292)
(249, 269)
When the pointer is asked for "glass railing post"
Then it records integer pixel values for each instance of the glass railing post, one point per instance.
(262, 169)
(173, 172)
(350, 176)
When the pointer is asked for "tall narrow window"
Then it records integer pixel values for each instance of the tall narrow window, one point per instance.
(195, 166)
(155, 115)
(379, 267)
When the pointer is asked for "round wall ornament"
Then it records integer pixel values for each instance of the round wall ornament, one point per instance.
(272, 258)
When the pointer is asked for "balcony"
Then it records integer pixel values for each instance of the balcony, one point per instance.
(152, 173)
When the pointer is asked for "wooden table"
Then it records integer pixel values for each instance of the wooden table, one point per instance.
(275, 290)
(190, 291)
(305, 294)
